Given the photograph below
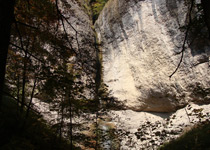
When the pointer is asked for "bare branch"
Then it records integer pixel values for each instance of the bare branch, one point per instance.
(27, 25)
(185, 39)
(62, 18)
(19, 34)
(30, 54)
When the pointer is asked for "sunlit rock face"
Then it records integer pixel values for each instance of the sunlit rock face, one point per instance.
(149, 130)
(140, 42)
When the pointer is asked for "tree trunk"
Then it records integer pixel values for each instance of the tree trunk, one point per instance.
(206, 10)
(98, 85)
(70, 115)
(61, 123)
(24, 82)
(18, 91)
(29, 105)
(6, 18)
(32, 96)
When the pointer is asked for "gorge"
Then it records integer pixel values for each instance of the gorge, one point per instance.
(141, 44)
(111, 74)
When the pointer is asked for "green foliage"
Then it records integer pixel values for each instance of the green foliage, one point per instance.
(42, 51)
(36, 47)
(35, 135)
(97, 6)
(197, 26)
(195, 139)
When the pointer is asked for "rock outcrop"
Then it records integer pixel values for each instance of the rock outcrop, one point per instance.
(81, 34)
(143, 130)
(141, 43)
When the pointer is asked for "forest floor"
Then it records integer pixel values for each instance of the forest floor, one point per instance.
(21, 133)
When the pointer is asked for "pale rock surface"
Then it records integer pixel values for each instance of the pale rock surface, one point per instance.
(144, 130)
(140, 41)
(134, 130)
(45, 110)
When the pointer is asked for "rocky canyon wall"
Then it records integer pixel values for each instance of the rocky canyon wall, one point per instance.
(79, 27)
(141, 41)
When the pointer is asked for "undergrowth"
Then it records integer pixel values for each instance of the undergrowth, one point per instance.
(196, 139)
(18, 133)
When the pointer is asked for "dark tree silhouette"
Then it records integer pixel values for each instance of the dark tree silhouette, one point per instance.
(6, 18)
(206, 10)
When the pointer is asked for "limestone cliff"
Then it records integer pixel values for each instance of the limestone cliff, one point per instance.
(140, 42)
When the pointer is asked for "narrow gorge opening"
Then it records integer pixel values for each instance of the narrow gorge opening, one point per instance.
(96, 8)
